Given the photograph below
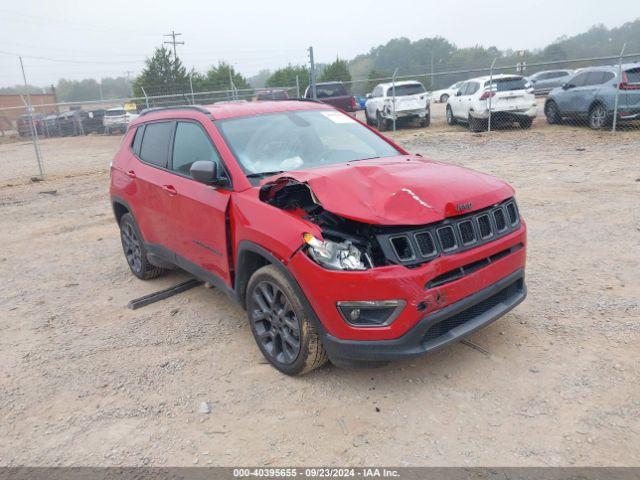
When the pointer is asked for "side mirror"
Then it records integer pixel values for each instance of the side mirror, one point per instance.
(458, 93)
(567, 86)
(204, 171)
(369, 96)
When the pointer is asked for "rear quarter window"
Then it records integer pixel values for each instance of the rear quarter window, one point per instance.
(155, 143)
(633, 76)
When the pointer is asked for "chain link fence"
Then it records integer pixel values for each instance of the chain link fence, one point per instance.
(602, 93)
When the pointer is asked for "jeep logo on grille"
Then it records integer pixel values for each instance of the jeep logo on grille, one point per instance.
(463, 207)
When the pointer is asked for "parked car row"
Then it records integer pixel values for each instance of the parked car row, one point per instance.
(76, 122)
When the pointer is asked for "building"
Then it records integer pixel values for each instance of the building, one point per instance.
(42, 103)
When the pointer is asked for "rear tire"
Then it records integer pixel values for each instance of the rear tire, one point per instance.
(474, 125)
(525, 122)
(135, 250)
(426, 121)
(281, 325)
(381, 123)
(552, 113)
(451, 120)
(598, 117)
(367, 119)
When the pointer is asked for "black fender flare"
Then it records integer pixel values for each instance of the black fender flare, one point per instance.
(242, 281)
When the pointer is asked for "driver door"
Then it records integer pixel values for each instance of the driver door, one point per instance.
(198, 219)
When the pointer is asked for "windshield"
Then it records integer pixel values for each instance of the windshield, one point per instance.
(114, 113)
(402, 90)
(299, 140)
(508, 84)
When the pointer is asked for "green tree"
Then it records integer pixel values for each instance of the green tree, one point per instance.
(218, 78)
(286, 77)
(373, 79)
(337, 71)
(162, 74)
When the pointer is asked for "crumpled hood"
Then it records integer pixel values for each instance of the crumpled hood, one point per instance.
(403, 190)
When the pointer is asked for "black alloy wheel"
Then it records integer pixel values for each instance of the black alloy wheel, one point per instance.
(276, 324)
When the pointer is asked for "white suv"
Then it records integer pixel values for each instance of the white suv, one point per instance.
(412, 102)
(117, 119)
(510, 99)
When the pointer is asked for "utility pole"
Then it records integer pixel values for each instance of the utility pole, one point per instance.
(34, 130)
(128, 74)
(312, 75)
(173, 41)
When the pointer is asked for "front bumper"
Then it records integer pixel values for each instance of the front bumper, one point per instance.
(438, 329)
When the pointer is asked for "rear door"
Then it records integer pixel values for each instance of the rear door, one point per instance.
(585, 95)
(199, 210)
(153, 202)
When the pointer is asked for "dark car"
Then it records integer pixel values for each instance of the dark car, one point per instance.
(335, 94)
(23, 124)
(271, 95)
(70, 123)
(51, 126)
(590, 96)
(92, 120)
(339, 244)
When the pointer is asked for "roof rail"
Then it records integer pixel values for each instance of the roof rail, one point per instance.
(199, 108)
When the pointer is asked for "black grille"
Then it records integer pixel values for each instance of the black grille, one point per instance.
(402, 247)
(447, 238)
(425, 244)
(412, 246)
(485, 226)
(501, 223)
(467, 233)
(513, 213)
(448, 324)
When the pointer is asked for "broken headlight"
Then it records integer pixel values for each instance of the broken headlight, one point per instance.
(335, 256)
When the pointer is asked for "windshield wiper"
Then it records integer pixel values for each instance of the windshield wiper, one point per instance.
(263, 174)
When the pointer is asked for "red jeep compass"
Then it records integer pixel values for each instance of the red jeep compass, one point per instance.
(340, 245)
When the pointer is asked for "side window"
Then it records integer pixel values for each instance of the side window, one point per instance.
(155, 143)
(594, 78)
(579, 80)
(137, 140)
(377, 92)
(191, 144)
(473, 88)
(462, 89)
(608, 76)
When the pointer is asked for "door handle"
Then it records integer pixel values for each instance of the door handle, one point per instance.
(131, 174)
(170, 189)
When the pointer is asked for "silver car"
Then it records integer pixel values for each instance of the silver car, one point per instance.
(545, 81)
(590, 95)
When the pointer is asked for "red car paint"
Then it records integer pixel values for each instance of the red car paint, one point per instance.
(208, 226)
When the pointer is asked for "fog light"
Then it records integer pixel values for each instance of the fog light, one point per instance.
(371, 313)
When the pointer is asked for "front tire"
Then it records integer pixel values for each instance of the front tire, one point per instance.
(443, 98)
(135, 250)
(552, 113)
(451, 120)
(281, 325)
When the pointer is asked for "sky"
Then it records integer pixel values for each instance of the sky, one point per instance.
(95, 39)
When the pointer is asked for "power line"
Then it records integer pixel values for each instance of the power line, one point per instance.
(173, 41)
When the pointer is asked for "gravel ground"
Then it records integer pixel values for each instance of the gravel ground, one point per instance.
(85, 381)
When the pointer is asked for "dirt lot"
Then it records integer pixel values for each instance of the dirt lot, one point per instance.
(85, 381)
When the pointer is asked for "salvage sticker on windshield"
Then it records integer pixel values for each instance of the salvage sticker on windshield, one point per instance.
(337, 117)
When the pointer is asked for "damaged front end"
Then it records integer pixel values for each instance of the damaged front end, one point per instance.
(346, 244)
